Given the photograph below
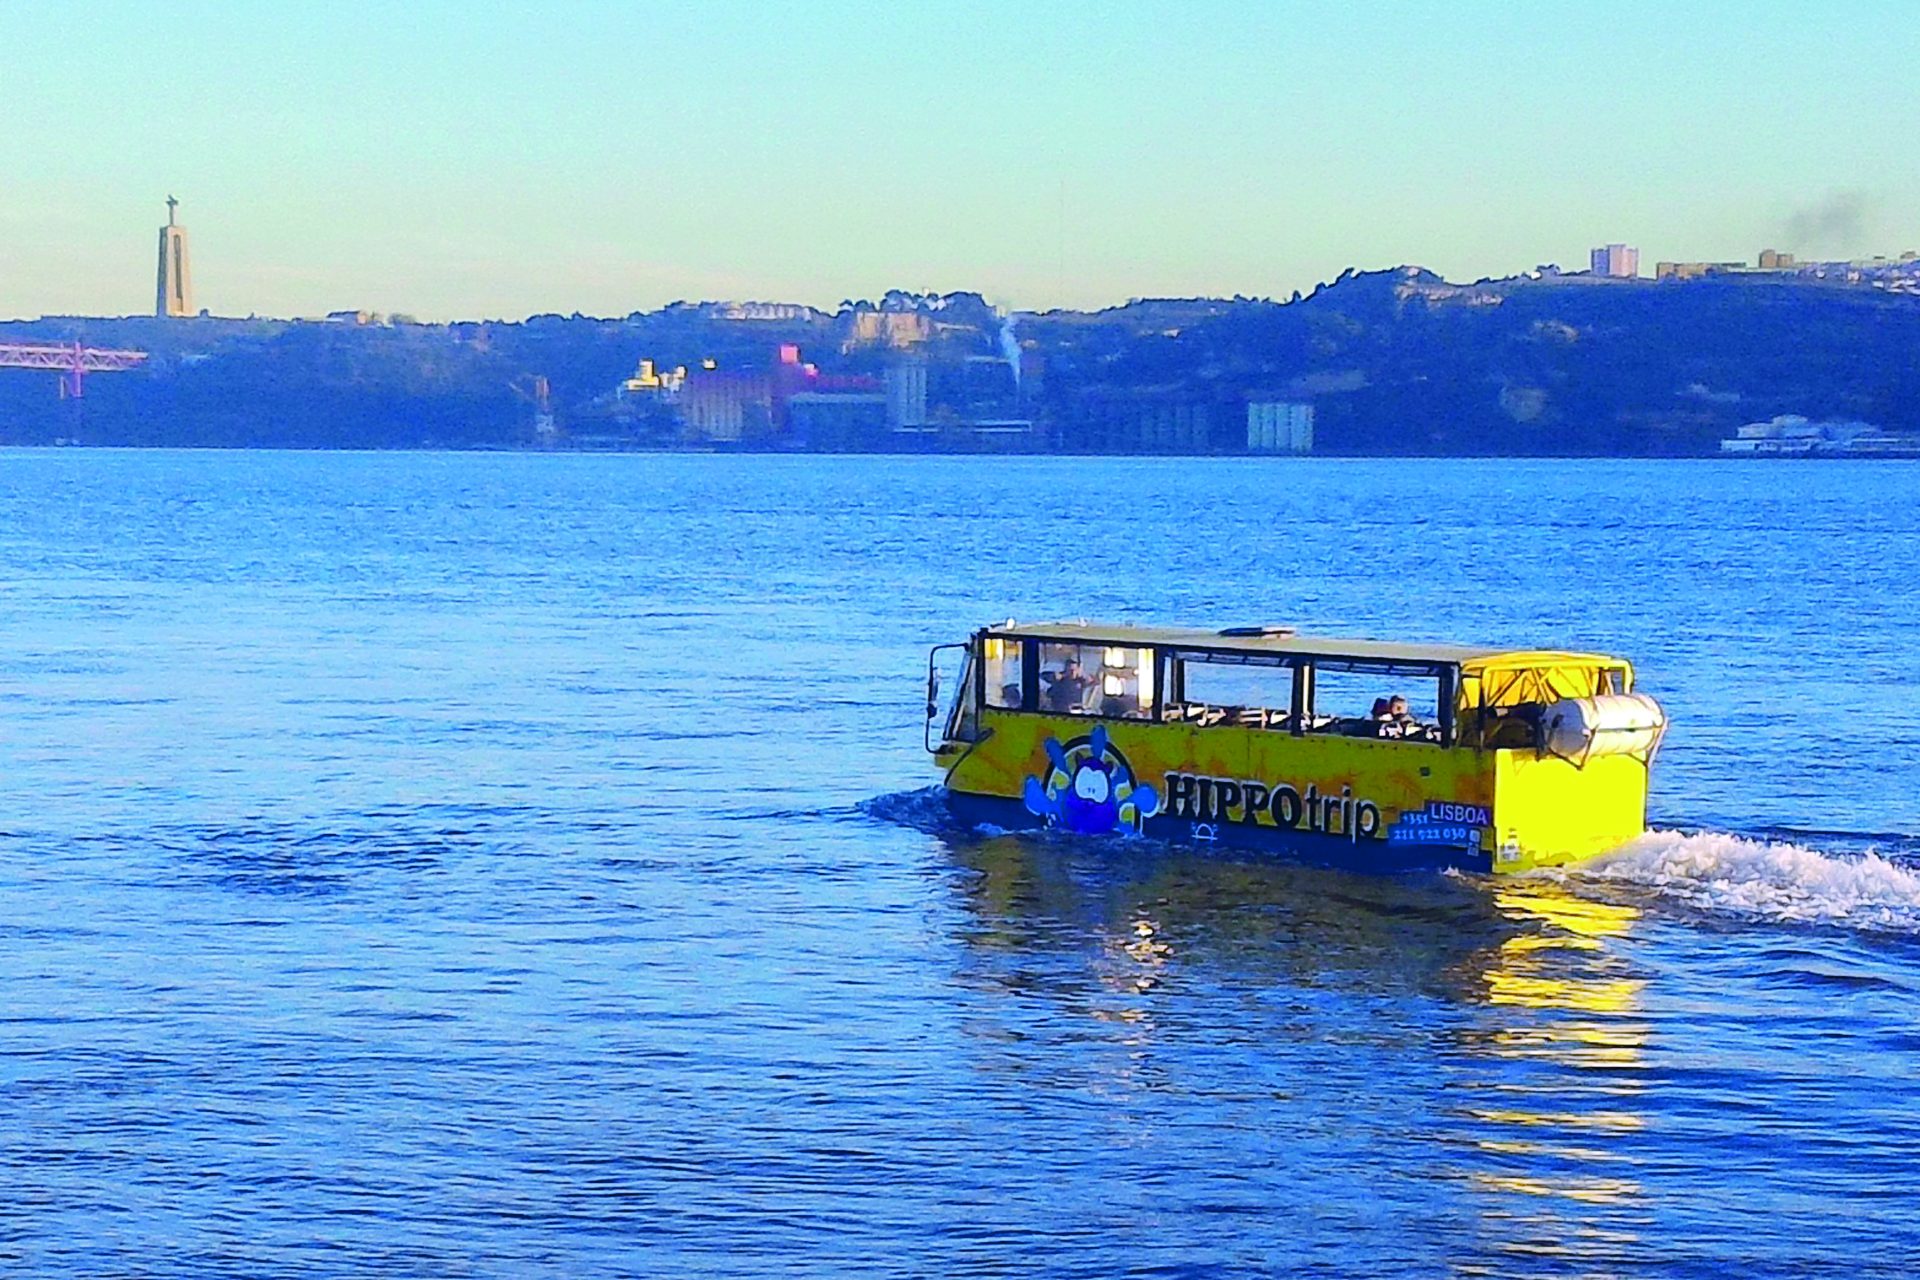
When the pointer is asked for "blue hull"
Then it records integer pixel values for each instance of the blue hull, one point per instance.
(1308, 847)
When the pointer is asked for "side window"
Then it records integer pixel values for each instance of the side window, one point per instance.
(1096, 680)
(1126, 683)
(955, 676)
(1002, 672)
(1257, 696)
(1372, 704)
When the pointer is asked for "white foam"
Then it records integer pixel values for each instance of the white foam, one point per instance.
(1766, 880)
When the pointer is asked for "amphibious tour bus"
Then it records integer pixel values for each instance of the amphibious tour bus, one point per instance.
(1354, 752)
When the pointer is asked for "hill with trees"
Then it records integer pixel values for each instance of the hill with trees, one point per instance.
(1394, 362)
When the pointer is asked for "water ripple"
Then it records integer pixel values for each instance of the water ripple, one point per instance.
(426, 864)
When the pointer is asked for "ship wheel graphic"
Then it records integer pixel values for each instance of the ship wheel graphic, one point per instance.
(1088, 788)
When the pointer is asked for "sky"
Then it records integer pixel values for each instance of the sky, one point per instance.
(480, 160)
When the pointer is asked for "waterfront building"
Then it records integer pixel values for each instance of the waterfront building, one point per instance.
(906, 384)
(1616, 260)
(173, 281)
(838, 421)
(975, 435)
(726, 406)
(1146, 420)
(1279, 426)
(756, 406)
(1792, 435)
(980, 387)
(1774, 260)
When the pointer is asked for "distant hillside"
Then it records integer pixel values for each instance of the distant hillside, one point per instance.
(1394, 362)
(1402, 362)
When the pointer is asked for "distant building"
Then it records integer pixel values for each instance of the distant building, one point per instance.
(906, 383)
(1147, 421)
(1616, 260)
(993, 435)
(762, 312)
(778, 404)
(896, 329)
(1791, 436)
(838, 421)
(1279, 426)
(647, 380)
(173, 281)
(1900, 274)
(1694, 270)
(978, 387)
(726, 406)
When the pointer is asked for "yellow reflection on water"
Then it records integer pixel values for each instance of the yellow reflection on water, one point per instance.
(1134, 960)
(1586, 1190)
(1562, 993)
(1564, 964)
(1581, 917)
(1515, 1147)
(1574, 1011)
(1612, 1121)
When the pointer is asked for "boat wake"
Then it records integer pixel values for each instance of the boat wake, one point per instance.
(1771, 877)
(923, 810)
(1765, 880)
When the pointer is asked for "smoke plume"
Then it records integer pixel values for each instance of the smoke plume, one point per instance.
(1837, 222)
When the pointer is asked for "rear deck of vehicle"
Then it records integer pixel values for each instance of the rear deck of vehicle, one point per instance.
(1364, 753)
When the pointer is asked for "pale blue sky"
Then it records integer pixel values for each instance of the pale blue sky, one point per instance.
(499, 160)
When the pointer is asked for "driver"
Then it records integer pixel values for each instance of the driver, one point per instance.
(1067, 688)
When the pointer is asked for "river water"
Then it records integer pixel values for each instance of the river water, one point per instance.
(506, 865)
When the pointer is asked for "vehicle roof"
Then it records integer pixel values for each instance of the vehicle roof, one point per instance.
(1283, 641)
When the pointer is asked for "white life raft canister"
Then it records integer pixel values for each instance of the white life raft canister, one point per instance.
(1612, 724)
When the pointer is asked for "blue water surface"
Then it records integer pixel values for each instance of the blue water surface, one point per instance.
(509, 865)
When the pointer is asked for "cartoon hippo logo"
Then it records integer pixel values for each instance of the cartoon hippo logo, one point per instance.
(1088, 788)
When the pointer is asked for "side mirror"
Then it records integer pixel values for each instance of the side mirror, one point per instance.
(933, 694)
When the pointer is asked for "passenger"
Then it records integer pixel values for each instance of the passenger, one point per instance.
(1377, 724)
(1009, 695)
(1399, 721)
(1067, 687)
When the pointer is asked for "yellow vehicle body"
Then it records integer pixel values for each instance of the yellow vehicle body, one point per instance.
(1484, 786)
